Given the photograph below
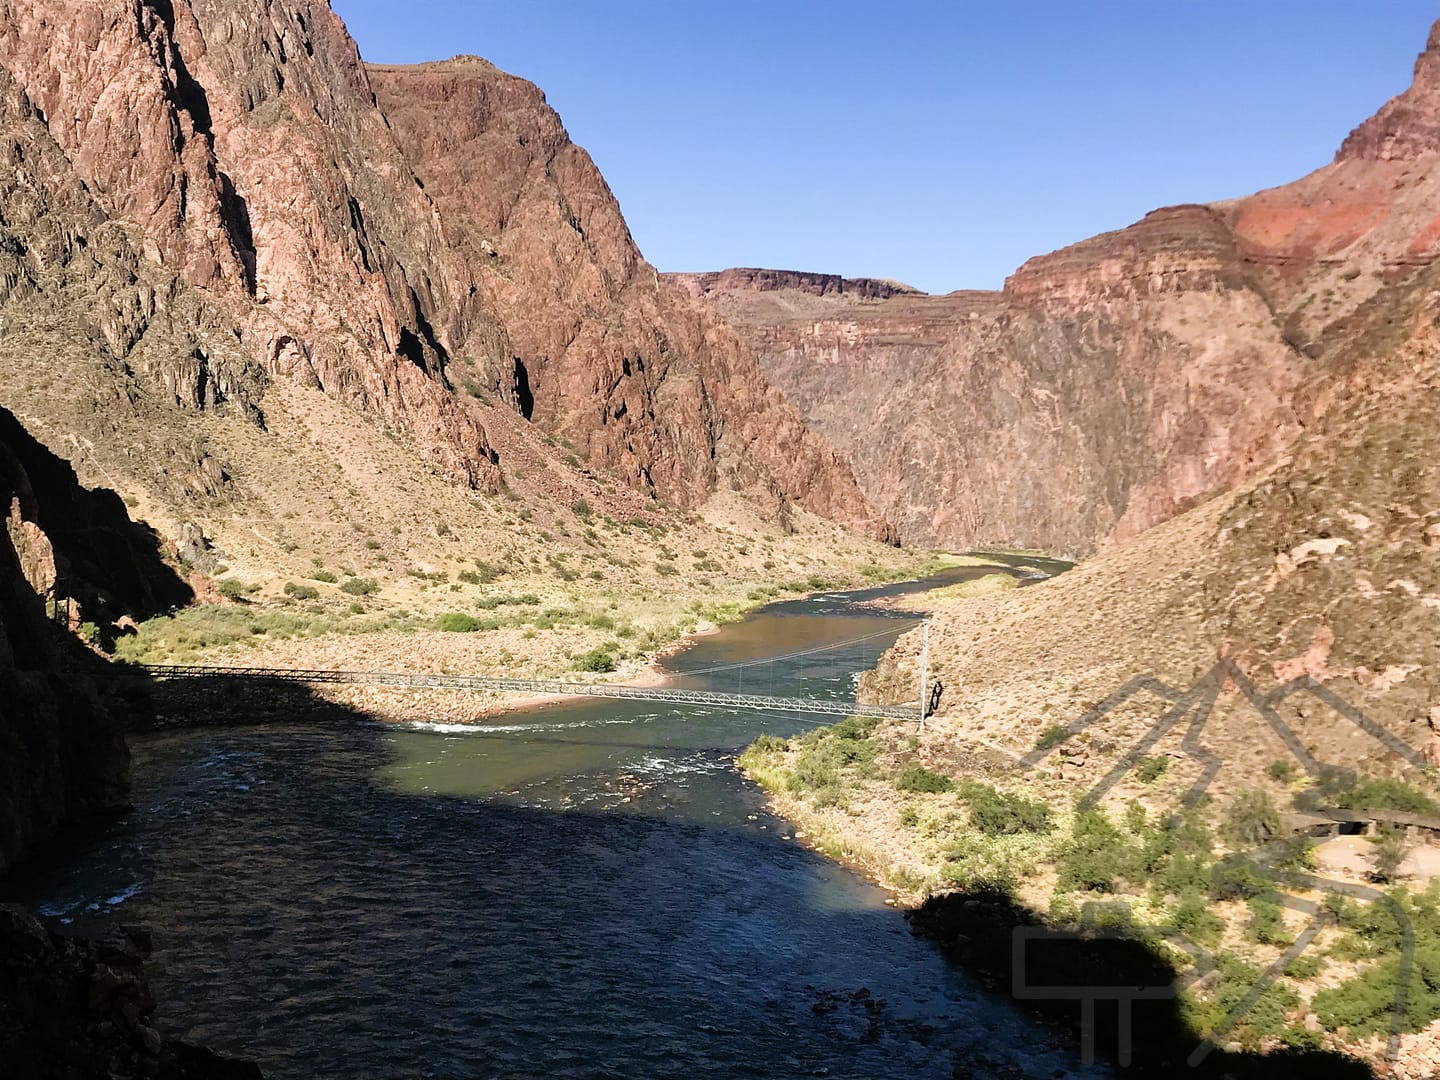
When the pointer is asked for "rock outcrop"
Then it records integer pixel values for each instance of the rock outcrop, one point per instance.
(1119, 381)
(61, 756)
(199, 196)
(70, 1008)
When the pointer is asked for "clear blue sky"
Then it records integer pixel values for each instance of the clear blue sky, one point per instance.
(938, 143)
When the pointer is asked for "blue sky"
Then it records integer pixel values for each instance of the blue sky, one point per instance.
(938, 143)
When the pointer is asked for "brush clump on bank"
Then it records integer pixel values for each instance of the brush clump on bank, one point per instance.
(935, 819)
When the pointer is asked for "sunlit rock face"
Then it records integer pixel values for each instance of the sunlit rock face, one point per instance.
(1119, 381)
(425, 244)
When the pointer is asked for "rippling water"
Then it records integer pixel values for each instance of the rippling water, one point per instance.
(587, 890)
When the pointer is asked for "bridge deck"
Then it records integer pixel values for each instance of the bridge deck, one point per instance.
(758, 702)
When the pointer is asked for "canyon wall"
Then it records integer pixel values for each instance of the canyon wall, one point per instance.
(1117, 382)
(203, 196)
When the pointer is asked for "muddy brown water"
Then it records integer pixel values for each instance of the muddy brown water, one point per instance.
(586, 890)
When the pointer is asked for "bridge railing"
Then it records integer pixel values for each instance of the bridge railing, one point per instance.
(757, 702)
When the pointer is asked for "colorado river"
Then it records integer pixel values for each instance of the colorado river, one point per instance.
(584, 890)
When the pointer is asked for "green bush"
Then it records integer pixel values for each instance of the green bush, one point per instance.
(1378, 793)
(360, 586)
(300, 592)
(1193, 918)
(1365, 1004)
(596, 659)
(487, 572)
(322, 575)
(1095, 856)
(1280, 771)
(920, 779)
(456, 622)
(231, 589)
(581, 508)
(665, 569)
(818, 766)
(854, 727)
(1052, 736)
(769, 744)
(1261, 1020)
(999, 813)
(909, 816)
(1151, 769)
(1251, 818)
(1267, 924)
(1389, 852)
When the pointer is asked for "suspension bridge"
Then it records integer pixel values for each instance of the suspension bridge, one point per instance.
(826, 706)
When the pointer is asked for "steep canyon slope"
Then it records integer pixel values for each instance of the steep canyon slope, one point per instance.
(211, 212)
(1119, 381)
(1322, 565)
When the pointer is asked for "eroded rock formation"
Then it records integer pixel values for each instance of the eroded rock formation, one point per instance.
(202, 194)
(1119, 381)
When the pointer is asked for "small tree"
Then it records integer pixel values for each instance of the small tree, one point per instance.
(1251, 818)
(1390, 849)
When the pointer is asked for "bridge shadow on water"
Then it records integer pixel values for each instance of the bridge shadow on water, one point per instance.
(327, 927)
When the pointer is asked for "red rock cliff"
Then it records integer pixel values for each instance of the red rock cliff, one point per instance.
(240, 149)
(1123, 379)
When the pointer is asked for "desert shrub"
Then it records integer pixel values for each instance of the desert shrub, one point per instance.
(600, 621)
(855, 727)
(1261, 1020)
(818, 766)
(909, 816)
(1136, 820)
(1096, 855)
(371, 544)
(1251, 818)
(1305, 966)
(917, 778)
(300, 592)
(1280, 771)
(231, 589)
(1151, 769)
(469, 577)
(487, 572)
(1365, 1004)
(360, 586)
(323, 575)
(1193, 918)
(1052, 736)
(1378, 793)
(769, 744)
(581, 508)
(1267, 924)
(999, 813)
(1388, 852)
(456, 622)
(665, 569)
(596, 659)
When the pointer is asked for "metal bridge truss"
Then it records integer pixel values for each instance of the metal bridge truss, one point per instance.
(757, 702)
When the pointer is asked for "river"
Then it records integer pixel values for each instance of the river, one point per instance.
(584, 890)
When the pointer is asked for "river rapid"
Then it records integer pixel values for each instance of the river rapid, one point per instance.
(584, 890)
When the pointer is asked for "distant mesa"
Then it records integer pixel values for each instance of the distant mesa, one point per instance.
(756, 279)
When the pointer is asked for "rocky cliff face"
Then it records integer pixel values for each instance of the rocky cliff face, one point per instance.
(61, 757)
(1327, 566)
(600, 350)
(1117, 382)
(234, 196)
(70, 1007)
